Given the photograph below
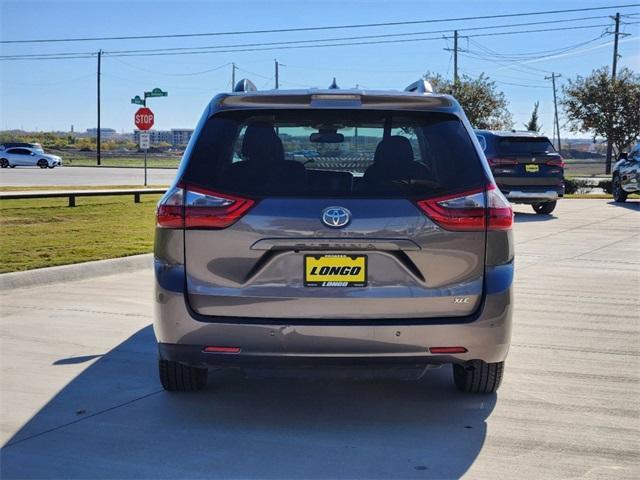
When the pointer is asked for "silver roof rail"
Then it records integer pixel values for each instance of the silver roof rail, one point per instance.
(245, 85)
(421, 86)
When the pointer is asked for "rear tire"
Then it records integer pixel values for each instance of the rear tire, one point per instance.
(4, 163)
(619, 195)
(544, 208)
(176, 377)
(477, 376)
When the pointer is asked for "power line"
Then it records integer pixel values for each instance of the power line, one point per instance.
(289, 47)
(182, 74)
(531, 55)
(528, 85)
(308, 29)
(334, 39)
(525, 63)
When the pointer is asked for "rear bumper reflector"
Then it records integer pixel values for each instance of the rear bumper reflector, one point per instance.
(221, 349)
(448, 350)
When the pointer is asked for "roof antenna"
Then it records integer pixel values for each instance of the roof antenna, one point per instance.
(334, 85)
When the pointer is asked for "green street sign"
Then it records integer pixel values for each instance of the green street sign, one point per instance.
(156, 92)
(137, 100)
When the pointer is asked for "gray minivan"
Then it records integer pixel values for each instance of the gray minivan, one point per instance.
(333, 227)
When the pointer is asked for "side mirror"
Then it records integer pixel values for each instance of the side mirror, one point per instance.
(32, 154)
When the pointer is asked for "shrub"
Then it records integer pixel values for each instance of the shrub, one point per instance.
(574, 185)
(606, 186)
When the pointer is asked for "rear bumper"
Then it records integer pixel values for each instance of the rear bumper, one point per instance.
(532, 196)
(526, 192)
(193, 355)
(182, 334)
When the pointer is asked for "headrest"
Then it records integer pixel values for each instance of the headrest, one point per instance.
(261, 143)
(394, 149)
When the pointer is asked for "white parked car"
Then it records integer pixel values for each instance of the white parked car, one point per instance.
(32, 157)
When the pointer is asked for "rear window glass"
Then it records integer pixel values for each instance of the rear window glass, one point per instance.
(333, 153)
(526, 146)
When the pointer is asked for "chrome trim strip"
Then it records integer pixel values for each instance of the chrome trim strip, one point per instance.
(544, 195)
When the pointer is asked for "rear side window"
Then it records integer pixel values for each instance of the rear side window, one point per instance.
(333, 153)
(19, 151)
(524, 146)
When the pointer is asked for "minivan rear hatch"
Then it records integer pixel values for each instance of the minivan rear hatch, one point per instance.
(334, 214)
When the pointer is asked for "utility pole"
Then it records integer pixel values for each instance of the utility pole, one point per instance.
(277, 84)
(98, 139)
(455, 58)
(555, 106)
(233, 76)
(613, 79)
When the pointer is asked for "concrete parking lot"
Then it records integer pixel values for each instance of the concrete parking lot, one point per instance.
(34, 176)
(81, 399)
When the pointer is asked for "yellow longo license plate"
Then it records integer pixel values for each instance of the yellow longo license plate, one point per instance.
(335, 270)
(532, 168)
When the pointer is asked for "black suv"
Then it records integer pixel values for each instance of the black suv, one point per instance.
(526, 167)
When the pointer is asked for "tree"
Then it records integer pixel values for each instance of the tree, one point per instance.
(485, 106)
(532, 124)
(604, 108)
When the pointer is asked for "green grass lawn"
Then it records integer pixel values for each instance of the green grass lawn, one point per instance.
(71, 160)
(45, 232)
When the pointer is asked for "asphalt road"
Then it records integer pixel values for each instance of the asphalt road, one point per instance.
(81, 399)
(70, 176)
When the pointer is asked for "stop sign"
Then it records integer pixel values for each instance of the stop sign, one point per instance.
(143, 118)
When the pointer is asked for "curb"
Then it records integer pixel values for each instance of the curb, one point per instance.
(77, 271)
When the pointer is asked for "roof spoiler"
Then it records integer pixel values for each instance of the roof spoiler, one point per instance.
(421, 86)
(245, 85)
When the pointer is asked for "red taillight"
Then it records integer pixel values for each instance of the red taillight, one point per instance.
(221, 349)
(460, 212)
(470, 211)
(196, 207)
(500, 213)
(498, 162)
(206, 209)
(170, 212)
(448, 350)
(556, 162)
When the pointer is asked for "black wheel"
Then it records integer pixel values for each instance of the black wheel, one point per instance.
(477, 376)
(42, 163)
(619, 195)
(4, 163)
(544, 208)
(176, 377)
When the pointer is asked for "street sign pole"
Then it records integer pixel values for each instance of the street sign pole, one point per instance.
(145, 140)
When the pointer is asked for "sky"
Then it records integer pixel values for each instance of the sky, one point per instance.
(48, 95)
